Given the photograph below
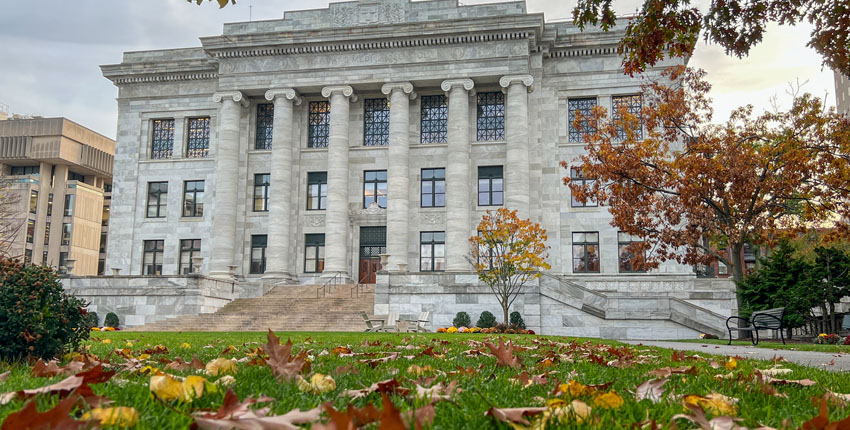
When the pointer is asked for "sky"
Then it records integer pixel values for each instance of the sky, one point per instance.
(51, 52)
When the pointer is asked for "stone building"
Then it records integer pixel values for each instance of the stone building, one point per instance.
(297, 150)
(842, 93)
(60, 174)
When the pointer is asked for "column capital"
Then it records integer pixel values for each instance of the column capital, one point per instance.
(287, 93)
(406, 87)
(448, 84)
(345, 90)
(526, 80)
(236, 96)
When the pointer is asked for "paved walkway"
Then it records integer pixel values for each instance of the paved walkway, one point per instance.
(823, 360)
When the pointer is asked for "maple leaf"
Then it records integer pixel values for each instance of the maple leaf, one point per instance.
(389, 386)
(121, 416)
(667, 371)
(79, 382)
(800, 382)
(504, 353)
(698, 417)
(59, 417)
(438, 392)
(341, 350)
(180, 365)
(716, 403)
(284, 366)
(51, 369)
(526, 380)
(350, 419)
(652, 389)
(378, 361)
(821, 421)
(236, 415)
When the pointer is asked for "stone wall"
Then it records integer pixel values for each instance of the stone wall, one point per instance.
(138, 300)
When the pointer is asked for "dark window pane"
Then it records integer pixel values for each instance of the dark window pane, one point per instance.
(318, 124)
(376, 122)
(434, 119)
(198, 138)
(265, 123)
(491, 116)
(162, 138)
(584, 106)
(632, 105)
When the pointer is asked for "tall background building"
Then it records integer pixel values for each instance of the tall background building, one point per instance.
(61, 176)
(842, 93)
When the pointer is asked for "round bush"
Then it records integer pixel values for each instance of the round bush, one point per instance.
(111, 320)
(92, 319)
(37, 318)
(486, 320)
(462, 320)
(516, 320)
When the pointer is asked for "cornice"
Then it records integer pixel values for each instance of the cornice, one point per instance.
(171, 77)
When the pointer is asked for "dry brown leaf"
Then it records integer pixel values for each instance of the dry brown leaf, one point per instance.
(4, 376)
(57, 418)
(698, 418)
(652, 389)
(667, 371)
(390, 386)
(284, 365)
(438, 392)
(800, 382)
(238, 415)
(504, 353)
(515, 415)
(821, 421)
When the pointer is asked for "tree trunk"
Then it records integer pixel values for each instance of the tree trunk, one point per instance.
(505, 310)
(736, 263)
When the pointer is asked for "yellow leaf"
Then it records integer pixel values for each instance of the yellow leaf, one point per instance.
(144, 356)
(107, 341)
(192, 388)
(165, 387)
(717, 404)
(609, 400)
(732, 364)
(120, 416)
(318, 384)
(185, 345)
(417, 370)
(576, 411)
(574, 388)
(220, 366)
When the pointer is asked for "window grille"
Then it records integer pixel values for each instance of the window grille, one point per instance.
(632, 104)
(434, 119)
(265, 122)
(376, 122)
(491, 116)
(319, 124)
(585, 107)
(162, 138)
(198, 143)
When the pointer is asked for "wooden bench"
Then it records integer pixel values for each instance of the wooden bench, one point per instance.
(769, 319)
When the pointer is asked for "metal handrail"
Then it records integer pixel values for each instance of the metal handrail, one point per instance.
(355, 291)
(325, 288)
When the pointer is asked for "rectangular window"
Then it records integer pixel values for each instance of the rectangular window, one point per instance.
(101, 266)
(162, 138)
(261, 192)
(27, 256)
(103, 242)
(577, 177)
(46, 233)
(376, 122)
(188, 248)
(375, 188)
(722, 268)
(152, 257)
(30, 230)
(432, 251)
(33, 201)
(434, 119)
(258, 253)
(24, 170)
(69, 205)
(198, 138)
(157, 199)
(44, 258)
(50, 204)
(265, 122)
(63, 258)
(314, 253)
(74, 176)
(66, 234)
(490, 186)
(632, 105)
(104, 218)
(317, 190)
(583, 106)
(433, 188)
(193, 199)
(318, 124)
(491, 116)
(625, 254)
(586, 252)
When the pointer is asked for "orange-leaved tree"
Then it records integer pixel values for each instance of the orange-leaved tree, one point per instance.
(507, 253)
(697, 192)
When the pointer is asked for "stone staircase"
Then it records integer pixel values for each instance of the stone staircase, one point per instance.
(284, 308)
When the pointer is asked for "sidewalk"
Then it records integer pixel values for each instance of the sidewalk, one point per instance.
(822, 360)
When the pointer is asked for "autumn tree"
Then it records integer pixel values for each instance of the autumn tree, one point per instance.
(221, 3)
(672, 27)
(507, 253)
(697, 192)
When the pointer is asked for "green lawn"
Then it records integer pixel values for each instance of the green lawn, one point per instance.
(792, 346)
(487, 385)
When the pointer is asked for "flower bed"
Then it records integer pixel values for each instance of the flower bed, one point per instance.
(494, 330)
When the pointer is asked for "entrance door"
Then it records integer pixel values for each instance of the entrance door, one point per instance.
(373, 243)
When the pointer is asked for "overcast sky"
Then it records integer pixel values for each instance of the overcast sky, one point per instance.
(51, 50)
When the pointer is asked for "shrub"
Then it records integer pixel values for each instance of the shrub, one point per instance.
(37, 318)
(486, 320)
(516, 320)
(111, 320)
(92, 319)
(462, 320)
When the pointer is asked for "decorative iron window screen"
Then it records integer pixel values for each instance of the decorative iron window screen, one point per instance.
(632, 104)
(198, 142)
(376, 122)
(434, 119)
(491, 116)
(585, 107)
(318, 124)
(265, 122)
(162, 138)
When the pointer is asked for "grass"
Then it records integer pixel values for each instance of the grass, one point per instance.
(490, 387)
(791, 346)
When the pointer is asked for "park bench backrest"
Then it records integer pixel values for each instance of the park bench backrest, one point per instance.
(768, 319)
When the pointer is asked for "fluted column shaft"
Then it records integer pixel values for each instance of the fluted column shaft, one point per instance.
(458, 185)
(278, 251)
(226, 179)
(516, 128)
(336, 219)
(398, 173)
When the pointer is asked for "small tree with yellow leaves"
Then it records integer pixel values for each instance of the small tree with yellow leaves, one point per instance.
(507, 253)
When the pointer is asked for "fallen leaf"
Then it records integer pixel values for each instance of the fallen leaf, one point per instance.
(697, 417)
(318, 384)
(731, 364)
(389, 386)
(284, 365)
(800, 382)
(220, 366)
(821, 421)
(652, 389)
(59, 417)
(667, 371)
(121, 416)
(4, 376)
(504, 353)
(609, 400)
(514, 415)
(238, 415)
(438, 392)
(775, 371)
(716, 403)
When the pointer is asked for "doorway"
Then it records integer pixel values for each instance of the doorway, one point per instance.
(373, 243)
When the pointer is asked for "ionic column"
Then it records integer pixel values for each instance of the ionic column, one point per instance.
(336, 218)
(517, 191)
(226, 179)
(458, 185)
(278, 251)
(398, 174)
